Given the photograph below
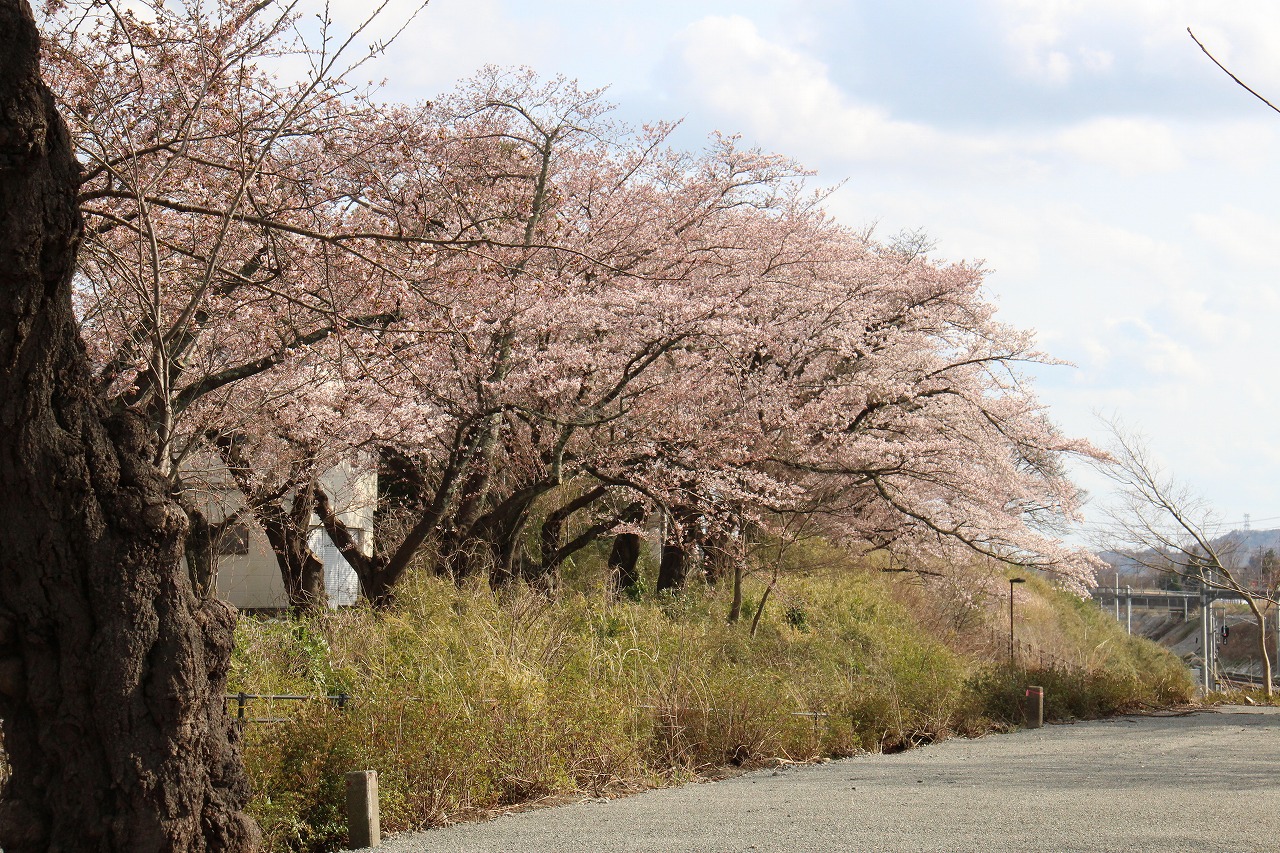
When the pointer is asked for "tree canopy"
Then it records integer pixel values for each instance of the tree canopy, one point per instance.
(525, 304)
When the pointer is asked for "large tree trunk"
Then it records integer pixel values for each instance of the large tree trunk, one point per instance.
(288, 530)
(677, 548)
(375, 582)
(673, 568)
(112, 672)
(624, 557)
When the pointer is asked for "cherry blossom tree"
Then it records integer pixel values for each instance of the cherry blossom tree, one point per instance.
(112, 671)
(553, 325)
(692, 335)
(224, 244)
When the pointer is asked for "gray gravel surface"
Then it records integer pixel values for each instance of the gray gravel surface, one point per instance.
(1208, 781)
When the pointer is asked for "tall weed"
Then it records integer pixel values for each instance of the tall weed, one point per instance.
(466, 702)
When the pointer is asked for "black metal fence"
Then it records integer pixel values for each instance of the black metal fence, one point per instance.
(241, 703)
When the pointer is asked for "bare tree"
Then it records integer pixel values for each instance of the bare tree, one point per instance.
(1167, 527)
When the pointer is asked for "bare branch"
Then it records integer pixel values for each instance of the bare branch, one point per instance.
(1242, 84)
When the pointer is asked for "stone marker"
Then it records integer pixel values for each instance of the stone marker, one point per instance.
(362, 809)
(1033, 707)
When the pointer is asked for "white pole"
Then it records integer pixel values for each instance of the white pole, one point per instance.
(1205, 640)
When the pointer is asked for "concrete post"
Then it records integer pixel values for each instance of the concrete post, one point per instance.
(362, 809)
(1033, 707)
(1206, 642)
(1128, 608)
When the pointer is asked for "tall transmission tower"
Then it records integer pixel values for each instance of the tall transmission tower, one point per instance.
(1246, 523)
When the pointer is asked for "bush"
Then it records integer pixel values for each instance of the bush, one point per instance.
(466, 702)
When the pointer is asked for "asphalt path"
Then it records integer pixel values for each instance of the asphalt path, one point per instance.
(1208, 781)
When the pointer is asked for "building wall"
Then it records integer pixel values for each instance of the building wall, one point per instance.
(251, 580)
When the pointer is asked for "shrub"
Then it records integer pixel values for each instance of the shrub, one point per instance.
(466, 702)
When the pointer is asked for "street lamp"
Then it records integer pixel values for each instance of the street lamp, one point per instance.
(1012, 581)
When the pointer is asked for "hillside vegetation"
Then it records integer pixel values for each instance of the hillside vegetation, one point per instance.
(466, 702)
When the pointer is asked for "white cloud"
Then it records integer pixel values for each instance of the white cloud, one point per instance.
(1125, 145)
(788, 100)
(1243, 237)
(783, 95)
(1096, 60)
(1053, 38)
(1033, 47)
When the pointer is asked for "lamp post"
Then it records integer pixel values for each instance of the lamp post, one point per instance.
(1012, 581)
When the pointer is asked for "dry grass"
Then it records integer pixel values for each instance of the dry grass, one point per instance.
(466, 702)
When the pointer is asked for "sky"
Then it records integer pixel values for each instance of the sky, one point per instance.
(1121, 188)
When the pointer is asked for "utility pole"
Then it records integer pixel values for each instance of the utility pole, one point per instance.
(1206, 639)
(1012, 656)
(1128, 609)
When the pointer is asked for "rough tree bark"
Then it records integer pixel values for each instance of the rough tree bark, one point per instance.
(677, 549)
(112, 671)
(624, 558)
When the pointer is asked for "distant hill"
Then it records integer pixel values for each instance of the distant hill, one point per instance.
(1236, 546)
(1249, 541)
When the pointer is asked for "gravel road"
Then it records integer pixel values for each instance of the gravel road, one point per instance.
(1209, 781)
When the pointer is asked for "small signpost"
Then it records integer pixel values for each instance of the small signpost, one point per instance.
(362, 809)
(1033, 707)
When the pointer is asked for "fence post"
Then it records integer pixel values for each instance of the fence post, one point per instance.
(363, 829)
(1033, 707)
(241, 698)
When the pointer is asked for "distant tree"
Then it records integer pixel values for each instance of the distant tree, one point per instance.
(1166, 526)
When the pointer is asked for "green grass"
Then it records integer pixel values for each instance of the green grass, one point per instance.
(466, 702)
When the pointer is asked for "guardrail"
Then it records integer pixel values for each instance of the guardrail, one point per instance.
(1234, 678)
(1108, 594)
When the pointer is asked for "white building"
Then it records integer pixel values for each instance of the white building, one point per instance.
(247, 573)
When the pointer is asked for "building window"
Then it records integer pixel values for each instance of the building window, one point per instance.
(234, 541)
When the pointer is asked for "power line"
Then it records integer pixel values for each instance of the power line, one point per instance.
(1244, 522)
